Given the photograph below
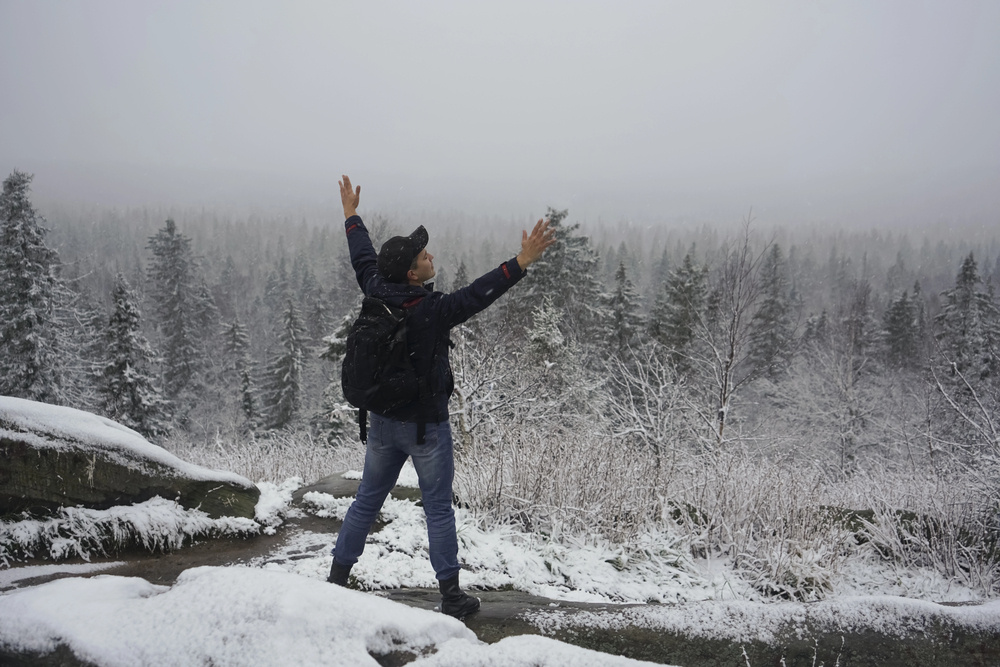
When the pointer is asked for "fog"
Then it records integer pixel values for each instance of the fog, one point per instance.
(867, 113)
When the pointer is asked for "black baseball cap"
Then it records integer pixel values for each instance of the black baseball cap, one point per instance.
(397, 254)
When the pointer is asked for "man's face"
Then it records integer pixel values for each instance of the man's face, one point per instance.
(424, 269)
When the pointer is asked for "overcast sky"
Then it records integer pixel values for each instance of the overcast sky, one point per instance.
(846, 111)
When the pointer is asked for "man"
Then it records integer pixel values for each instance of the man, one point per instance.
(421, 429)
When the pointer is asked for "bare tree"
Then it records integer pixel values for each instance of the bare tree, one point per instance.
(648, 403)
(725, 331)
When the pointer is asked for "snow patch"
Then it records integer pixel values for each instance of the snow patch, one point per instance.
(27, 418)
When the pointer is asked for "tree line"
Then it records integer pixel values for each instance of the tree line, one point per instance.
(235, 327)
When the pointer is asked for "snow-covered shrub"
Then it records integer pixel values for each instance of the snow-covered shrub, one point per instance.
(952, 529)
(273, 457)
(77, 532)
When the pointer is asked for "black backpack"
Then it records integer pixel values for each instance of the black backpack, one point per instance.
(377, 375)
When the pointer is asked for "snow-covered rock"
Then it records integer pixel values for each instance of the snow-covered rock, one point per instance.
(53, 456)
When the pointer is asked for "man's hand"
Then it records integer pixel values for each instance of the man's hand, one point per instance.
(349, 197)
(534, 245)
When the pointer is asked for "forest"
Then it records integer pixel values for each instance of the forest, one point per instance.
(789, 399)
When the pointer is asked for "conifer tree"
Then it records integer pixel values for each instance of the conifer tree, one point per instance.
(84, 336)
(658, 278)
(857, 331)
(969, 326)
(817, 330)
(900, 332)
(568, 274)
(318, 322)
(547, 343)
(335, 413)
(237, 349)
(771, 327)
(314, 305)
(626, 321)
(173, 288)
(227, 288)
(461, 277)
(125, 386)
(282, 394)
(29, 366)
(206, 314)
(248, 397)
(277, 290)
(679, 309)
(236, 345)
(555, 360)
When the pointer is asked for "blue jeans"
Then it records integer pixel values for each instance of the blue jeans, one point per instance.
(390, 442)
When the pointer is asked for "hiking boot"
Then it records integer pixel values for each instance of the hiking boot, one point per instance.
(339, 574)
(454, 601)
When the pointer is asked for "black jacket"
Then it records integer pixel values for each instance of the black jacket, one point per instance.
(432, 316)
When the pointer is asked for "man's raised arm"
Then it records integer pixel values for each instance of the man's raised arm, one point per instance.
(349, 197)
(363, 257)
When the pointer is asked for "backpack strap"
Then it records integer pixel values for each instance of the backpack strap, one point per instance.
(363, 424)
(423, 386)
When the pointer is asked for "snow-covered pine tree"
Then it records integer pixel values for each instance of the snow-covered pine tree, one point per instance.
(461, 277)
(29, 359)
(282, 394)
(207, 324)
(968, 327)
(966, 364)
(678, 311)
(315, 304)
(335, 414)
(173, 288)
(901, 332)
(81, 323)
(278, 289)
(227, 288)
(857, 333)
(546, 341)
(657, 279)
(569, 275)
(236, 345)
(125, 386)
(771, 328)
(626, 323)
(556, 372)
(206, 314)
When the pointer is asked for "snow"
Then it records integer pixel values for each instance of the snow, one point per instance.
(745, 622)
(407, 476)
(655, 570)
(273, 503)
(248, 616)
(156, 524)
(27, 418)
(11, 577)
(279, 609)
